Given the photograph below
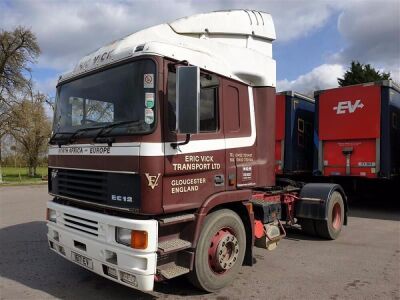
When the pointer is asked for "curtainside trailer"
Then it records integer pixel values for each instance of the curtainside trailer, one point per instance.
(294, 134)
(358, 130)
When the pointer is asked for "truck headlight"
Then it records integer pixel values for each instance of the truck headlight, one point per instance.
(136, 239)
(123, 236)
(51, 215)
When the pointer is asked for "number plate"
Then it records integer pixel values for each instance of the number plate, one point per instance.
(366, 164)
(82, 260)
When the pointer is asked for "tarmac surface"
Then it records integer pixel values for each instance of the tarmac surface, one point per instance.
(363, 263)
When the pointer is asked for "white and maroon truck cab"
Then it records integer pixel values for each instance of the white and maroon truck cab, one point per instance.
(162, 160)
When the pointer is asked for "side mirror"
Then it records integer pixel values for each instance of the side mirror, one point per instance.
(188, 99)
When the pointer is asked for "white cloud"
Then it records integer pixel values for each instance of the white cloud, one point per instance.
(69, 29)
(294, 19)
(321, 77)
(297, 19)
(371, 30)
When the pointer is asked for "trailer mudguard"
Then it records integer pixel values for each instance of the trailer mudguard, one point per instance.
(314, 200)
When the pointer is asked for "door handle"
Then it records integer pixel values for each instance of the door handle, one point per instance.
(219, 180)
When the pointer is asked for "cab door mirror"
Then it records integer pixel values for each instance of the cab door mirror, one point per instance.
(188, 99)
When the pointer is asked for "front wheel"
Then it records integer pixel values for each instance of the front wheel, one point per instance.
(220, 251)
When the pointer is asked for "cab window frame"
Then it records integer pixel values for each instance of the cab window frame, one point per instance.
(171, 109)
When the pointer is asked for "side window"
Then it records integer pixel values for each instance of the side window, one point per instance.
(208, 102)
(208, 109)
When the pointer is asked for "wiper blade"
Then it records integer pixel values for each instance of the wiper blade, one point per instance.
(53, 137)
(109, 141)
(71, 138)
(64, 141)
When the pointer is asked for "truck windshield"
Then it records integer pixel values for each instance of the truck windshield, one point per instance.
(113, 96)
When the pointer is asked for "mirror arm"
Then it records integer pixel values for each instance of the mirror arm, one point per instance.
(177, 144)
(172, 65)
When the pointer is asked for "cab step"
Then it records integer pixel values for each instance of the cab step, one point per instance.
(176, 219)
(173, 245)
(172, 270)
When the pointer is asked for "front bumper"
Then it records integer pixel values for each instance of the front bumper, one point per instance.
(92, 235)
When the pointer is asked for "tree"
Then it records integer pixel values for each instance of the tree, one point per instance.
(31, 127)
(360, 73)
(18, 49)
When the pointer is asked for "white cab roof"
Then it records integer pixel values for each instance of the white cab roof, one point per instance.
(236, 44)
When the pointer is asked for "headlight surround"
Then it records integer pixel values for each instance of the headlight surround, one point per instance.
(51, 215)
(136, 239)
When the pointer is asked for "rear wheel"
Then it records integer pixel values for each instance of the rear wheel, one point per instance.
(331, 228)
(220, 251)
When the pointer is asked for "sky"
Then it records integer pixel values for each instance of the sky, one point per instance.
(316, 39)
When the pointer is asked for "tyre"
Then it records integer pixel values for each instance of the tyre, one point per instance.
(220, 251)
(308, 226)
(331, 228)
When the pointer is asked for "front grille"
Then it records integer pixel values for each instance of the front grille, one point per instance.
(97, 188)
(81, 224)
(82, 185)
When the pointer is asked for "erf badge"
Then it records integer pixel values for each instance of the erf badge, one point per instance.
(153, 180)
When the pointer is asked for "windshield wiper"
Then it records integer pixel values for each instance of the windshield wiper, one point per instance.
(53, 137)
(69, 140)
(97, 138)
(109, 140)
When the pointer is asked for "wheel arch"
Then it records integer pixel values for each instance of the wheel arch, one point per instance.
(237, 201)
(317, 210)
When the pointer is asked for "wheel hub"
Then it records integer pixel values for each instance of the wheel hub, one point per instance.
(224, 251)
(336, 216)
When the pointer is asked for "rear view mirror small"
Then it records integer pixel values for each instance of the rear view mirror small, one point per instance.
(188, 99)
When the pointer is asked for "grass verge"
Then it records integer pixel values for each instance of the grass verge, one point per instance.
(19, 175)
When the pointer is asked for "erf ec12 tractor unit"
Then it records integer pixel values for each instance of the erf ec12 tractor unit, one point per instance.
(162, 159)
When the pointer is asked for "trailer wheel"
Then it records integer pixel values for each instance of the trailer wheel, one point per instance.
(308, 226)
(220, 251)
(331, 228)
